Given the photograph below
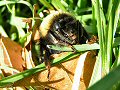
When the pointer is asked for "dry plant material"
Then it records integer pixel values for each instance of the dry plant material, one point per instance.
(12, 55)
(61, 76)
(27, 58)
(35, 33)
(27, 54)
(14, 88)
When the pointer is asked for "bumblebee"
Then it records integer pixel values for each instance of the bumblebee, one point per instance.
(60, 28)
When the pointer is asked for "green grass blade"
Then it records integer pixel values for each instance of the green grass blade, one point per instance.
(67, 57)
(118, 57)
(78, 48)
(80, 3)
(11, 79)
(117, 15)
(60, 48)
(108, 81)
(84, 18)
(18, 23)
(85, 47)
(46, 4)
(23, 39)
(13, 2)
(58, 5)
(27, 4)
(64, 3)
(110, 5)
(98, 12)
(113, 20)
(94, 23)
(110, 41)
(2, 3)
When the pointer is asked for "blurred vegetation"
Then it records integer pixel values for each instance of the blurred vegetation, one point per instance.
(11, 13)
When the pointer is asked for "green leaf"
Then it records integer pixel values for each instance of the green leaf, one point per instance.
(78, 48)
(11, 79)
(2, 3)
(23, 39)
(84, 18)
(112, 25)
(58, 5)
(100, 18)
(108, 81)
(15, 1)
(46, 4)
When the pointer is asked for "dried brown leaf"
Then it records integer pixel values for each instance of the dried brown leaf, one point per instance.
(27, 58)
(61, 76)
(12, 54)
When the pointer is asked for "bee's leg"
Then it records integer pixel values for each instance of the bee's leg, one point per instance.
(42, 50)
(47, 62)
(44, 56)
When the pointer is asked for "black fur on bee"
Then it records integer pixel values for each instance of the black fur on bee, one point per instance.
(60, 28)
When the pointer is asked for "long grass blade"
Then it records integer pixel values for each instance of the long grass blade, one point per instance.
(113, 20)
(58, 5)
(11, 79)
(98, 12)
(46, 4)
(2, 3)
(108, 81)
(78, 48)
